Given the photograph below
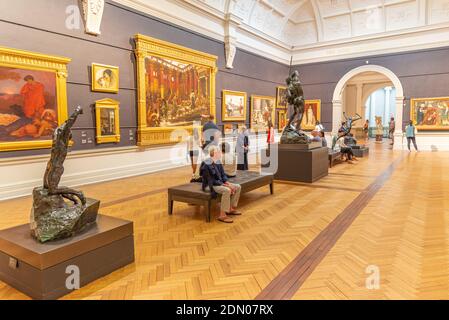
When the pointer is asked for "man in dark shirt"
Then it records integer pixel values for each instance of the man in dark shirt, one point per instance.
(210, 132)
(215, 178)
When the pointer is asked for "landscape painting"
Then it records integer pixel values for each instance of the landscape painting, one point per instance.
(430, 113)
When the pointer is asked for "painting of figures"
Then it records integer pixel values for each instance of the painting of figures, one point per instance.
(312, 114)
(281, 97)
(262, 113)
(105, 78)
(430, 113)
(28, 104)
(177, 93)
(233, 106)
(282, 119)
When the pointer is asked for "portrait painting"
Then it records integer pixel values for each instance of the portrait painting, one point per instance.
(107, 121)
(262, 113)
(282, 119)
(32, 101)
(430, 113)
(176, 87)
(312, 114)
(105, 78)
(233, 106)
(281, 97)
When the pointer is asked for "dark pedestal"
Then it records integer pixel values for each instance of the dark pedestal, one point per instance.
(361, 152)
(300, 164)
(39, 270)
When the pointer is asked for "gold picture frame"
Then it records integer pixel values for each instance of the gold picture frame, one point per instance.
(312, 114)
(154, 52)
(282, 119)
(107, 118)
(53, 69)
(281, 99)
(105, 78)
(261, 114)
(238, 96)
(430, 114)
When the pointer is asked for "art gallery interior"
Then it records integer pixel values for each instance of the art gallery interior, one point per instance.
(224, 149)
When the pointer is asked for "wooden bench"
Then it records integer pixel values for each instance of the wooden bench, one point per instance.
(360, 151)
(193, 194)
(333, 156)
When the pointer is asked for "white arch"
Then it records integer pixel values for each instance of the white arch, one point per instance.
(337, 97)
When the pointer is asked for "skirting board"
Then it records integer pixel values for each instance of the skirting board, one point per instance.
(21, 175)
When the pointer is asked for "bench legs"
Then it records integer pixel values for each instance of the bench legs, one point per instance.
(272, 188)
(207, 208)
(170, 206)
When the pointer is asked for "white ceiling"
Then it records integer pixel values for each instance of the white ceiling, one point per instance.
(311, 29)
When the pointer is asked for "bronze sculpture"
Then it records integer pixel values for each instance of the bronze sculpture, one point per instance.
(52, 217)
(346, 129)
(295, 97)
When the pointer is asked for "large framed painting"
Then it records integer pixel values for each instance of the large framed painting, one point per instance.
(33, 98)
(281, 97)
(282, 119)
(430, 113)
(233, 106)
(176, 87)
(105, 78)
(107, 117)
(262, 112)
(312, 114)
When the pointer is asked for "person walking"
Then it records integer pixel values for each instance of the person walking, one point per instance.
(366, 130)
(410, 133)
(242, 149)
(391, 128)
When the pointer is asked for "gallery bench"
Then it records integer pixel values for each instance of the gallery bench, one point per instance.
(333, 156)
(192, 193)
(360, 151)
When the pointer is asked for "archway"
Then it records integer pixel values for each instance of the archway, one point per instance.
(337, 97)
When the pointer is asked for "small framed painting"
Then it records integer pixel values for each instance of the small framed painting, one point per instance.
(312, 114)
(105, 78)
(262, 112)
(233, 106)
(107, 121)
(430, 113)
(282, 119)
(281, 97)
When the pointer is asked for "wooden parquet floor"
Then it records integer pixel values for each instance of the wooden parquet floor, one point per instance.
(401, 230)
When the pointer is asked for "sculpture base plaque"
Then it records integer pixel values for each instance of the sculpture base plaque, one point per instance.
(41, 270)
(299, 164)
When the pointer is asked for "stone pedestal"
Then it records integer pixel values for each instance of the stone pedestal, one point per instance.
(301, 163)
(40, 270)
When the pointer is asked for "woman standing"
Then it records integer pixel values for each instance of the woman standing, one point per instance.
(366, 129)
(242, 149)
(270, 137)
(194, 151)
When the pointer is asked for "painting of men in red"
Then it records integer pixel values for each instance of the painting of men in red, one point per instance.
(28, 104)
(33, 98)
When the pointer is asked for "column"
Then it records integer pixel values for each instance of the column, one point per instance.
(387, 106)
(336, 115)
(359, 102)
(372, 111)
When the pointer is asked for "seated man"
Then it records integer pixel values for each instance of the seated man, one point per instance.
(350, 140)
(345, 149)
(215, 178)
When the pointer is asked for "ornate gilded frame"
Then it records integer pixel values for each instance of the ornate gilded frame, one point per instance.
(413, 114)
(318, 113)
(273, 112)
(107, 104)
(223, 105)
(148, 46)
(95, 86)
(278, 89)
(282, 113)
(22, 59)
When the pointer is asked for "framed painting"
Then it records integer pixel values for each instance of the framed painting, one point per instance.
(281, 97)
(105, 78)
(282, 119)
(107, 117)
(430, 113)
(176, 87)
(262, 112)
(33, 98)
(312, 114)
(233, 106)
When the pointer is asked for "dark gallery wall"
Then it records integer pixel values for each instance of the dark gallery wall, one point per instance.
(40, 26)
(422, 74)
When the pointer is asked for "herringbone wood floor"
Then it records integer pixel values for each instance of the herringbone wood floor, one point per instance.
(401, 230)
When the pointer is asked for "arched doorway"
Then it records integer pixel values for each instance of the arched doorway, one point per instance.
(337, 103)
